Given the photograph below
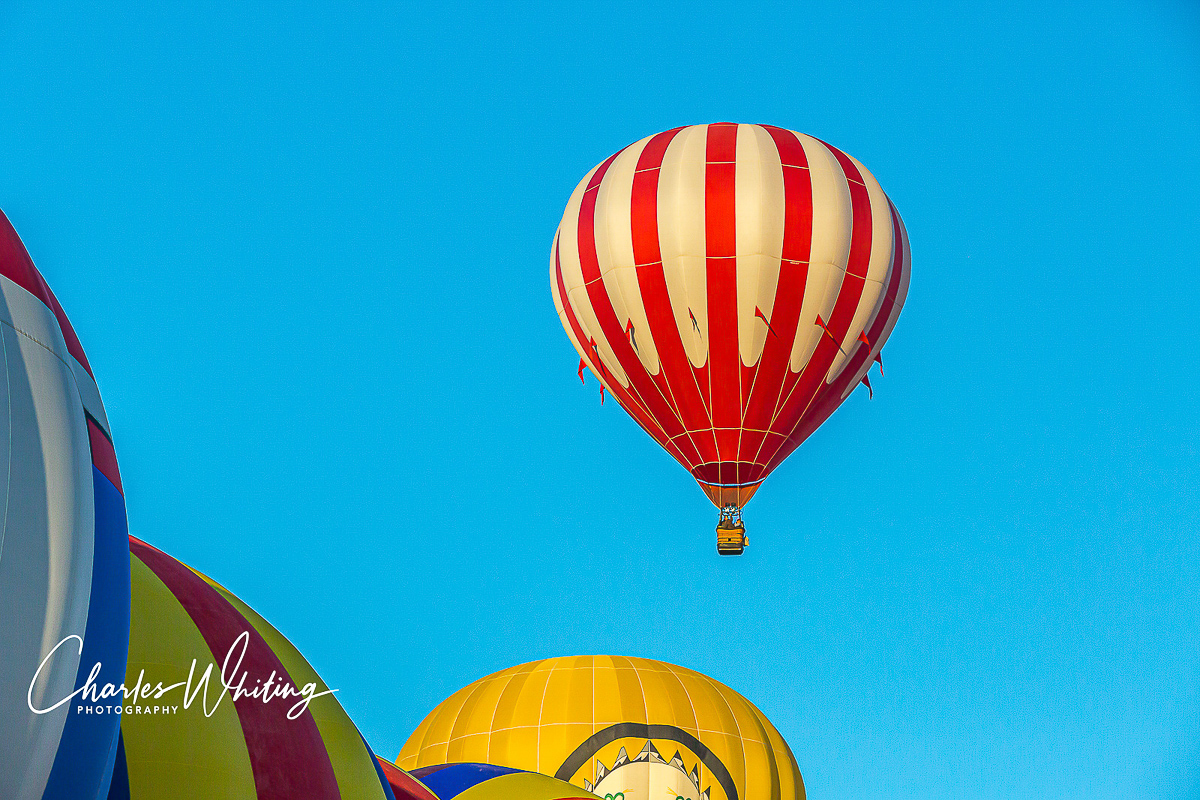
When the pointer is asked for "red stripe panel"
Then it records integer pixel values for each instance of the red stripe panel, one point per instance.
(631, 404)
(790, 379)
(17, 266)
(812, 379)
(789, 294)
(709, 473)
(287, 757)
(745, 446)
(104, 457)
(610, 327)
(860, 235)
(633, 408)
(675, 367)
(404, 786)
(830, 397)
(720, 232)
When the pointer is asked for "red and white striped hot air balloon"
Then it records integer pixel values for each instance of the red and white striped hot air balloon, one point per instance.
(729, 285)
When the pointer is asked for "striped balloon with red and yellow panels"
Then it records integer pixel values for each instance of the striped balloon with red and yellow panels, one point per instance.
(729, 285)
(240, 747)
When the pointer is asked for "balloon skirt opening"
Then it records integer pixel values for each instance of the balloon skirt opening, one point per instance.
(722, 496)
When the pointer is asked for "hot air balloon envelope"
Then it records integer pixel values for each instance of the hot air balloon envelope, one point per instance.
(64, 557)
(613, 725)
(729, 285)
(221, 745)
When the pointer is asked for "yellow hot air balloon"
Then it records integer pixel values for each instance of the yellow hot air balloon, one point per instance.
(621, 728)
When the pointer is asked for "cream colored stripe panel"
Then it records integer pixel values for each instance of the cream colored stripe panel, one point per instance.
(568, 256)
(681, 236)
(577, 296)
(759, 218)
(568, 237)
(567, 259)
(582, 303)
(584, 352)
(901, 293)
(614, 242)
(877, 269)
(559, 299)
(832, 223)
(881, 228)
(832, 211)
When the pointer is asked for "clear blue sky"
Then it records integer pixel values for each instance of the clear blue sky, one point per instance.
(305, 249)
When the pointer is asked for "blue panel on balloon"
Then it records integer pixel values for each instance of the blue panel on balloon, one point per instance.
(119, 789)
(450, 780)
(88, 747)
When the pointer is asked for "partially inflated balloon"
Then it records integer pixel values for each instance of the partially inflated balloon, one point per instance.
(468, 781)
(729, 285)
(631, 728)
(404, 786)
(266, 742)
(64, 558)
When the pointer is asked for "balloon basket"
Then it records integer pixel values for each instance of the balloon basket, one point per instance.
(731, 533)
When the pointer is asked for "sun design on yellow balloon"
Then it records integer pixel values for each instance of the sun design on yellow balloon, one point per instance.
(647, 776)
